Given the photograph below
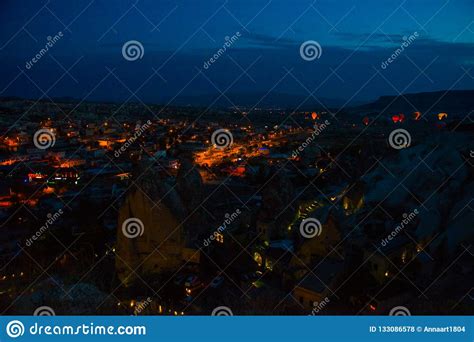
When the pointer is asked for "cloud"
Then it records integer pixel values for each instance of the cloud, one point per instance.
(263, 40)
(372, 37)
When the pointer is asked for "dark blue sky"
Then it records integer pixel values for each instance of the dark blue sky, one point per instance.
(180, 36)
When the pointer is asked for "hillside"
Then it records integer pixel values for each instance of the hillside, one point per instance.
(453, 102)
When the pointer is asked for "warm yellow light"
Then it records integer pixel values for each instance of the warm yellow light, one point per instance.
(258, 258)
(442, 116)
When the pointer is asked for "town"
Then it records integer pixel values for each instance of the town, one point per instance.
(154, 210)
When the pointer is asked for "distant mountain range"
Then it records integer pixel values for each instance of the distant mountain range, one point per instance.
(451, 101)
(261, 100)
(245, 100)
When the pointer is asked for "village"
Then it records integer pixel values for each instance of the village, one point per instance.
(178, 213)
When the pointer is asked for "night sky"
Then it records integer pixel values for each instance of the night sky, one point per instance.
(179, 36)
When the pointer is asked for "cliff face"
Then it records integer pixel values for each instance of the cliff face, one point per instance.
(439, 187)
(157, 249)
(163, 211)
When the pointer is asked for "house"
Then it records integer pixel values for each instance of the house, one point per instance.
(390, 256)
(318, 284)
(325, 242)
(274, 256)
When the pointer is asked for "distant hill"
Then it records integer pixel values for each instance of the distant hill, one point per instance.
(451, 101)
(259, 100)
(215, 100)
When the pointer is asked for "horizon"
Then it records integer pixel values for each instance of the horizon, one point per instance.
(70, 99)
